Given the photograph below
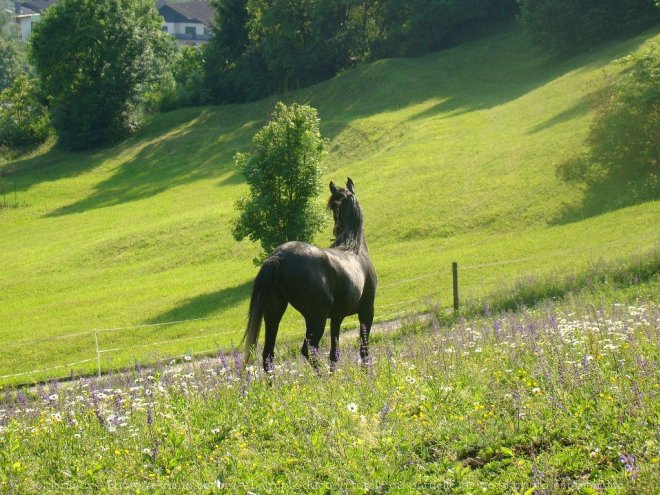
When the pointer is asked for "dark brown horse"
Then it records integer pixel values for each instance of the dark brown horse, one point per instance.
(320, 283)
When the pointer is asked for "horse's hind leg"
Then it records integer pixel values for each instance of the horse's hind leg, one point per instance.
(315, 328)
(366, 317)
(273, 312)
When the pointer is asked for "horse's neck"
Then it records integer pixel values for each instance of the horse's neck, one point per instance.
(352, 241)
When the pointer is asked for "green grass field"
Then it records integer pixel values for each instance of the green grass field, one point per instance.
(453, 155)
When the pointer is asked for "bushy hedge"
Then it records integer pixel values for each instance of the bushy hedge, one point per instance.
(564, 27)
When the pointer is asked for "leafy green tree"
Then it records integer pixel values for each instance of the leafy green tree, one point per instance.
(12, 52)
(302, 41)
(182, 84)
(564, 27)
(284, 176)
(95, 61)
(23, 118)
(234, 67)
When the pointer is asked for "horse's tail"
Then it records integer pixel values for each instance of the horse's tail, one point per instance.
(260, 291)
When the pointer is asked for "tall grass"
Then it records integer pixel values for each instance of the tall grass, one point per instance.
(562, 399)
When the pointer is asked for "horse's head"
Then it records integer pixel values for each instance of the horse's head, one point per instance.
(345, 210)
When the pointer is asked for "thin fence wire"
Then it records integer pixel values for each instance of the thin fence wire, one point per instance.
(45, 370)
(426, 298)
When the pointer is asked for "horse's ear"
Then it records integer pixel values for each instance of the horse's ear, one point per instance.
(350, 186)
(333, 189)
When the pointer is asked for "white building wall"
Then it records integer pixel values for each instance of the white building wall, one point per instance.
(180, 28)
(25, 24)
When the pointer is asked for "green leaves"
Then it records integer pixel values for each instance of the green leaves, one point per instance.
(95, 60)
(564, 27)
(23, 118)
(284, 176)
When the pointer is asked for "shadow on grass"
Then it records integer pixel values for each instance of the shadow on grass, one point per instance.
(56, 164)
(206, 304)
(507, 68)
(602, 197)
(576, 110)
(201, 149)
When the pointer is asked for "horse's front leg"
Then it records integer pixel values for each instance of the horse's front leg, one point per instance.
(335, 325)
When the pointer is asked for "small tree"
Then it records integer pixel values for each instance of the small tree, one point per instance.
(284, 176)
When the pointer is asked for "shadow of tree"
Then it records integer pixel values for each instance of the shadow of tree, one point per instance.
(201, 149)
(206, 304)
(57, 164)
(610, 194)
(580, 108)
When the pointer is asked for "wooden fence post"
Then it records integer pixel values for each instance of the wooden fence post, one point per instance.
(454, 270)
(98, 353)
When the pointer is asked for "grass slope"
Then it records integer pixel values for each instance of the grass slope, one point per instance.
(453, 155)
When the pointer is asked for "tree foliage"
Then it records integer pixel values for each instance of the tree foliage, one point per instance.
(563, 27)
(263, 46)
(12, 51)
(234, 68)
(23, 118)
(284, 175)
(95, 61)
(622, 163)
(182, 84)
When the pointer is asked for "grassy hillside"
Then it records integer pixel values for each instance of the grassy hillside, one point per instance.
(453, 156)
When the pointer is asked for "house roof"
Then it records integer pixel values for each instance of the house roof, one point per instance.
(21, 10)
(37, 5)
(193, 12)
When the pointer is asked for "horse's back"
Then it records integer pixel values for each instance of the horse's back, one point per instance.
(312, 279)
(303, 276)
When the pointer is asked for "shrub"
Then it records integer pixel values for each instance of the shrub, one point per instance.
(23, 118)
(284, 176)
(95, 60)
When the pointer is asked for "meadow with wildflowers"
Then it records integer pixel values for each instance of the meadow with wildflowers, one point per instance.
(560, 398)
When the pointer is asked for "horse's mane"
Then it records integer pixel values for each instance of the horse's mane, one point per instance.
(351, 236)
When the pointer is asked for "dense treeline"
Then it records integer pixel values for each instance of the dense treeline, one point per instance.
(263, 46)
(114, 63)
(563, 27)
